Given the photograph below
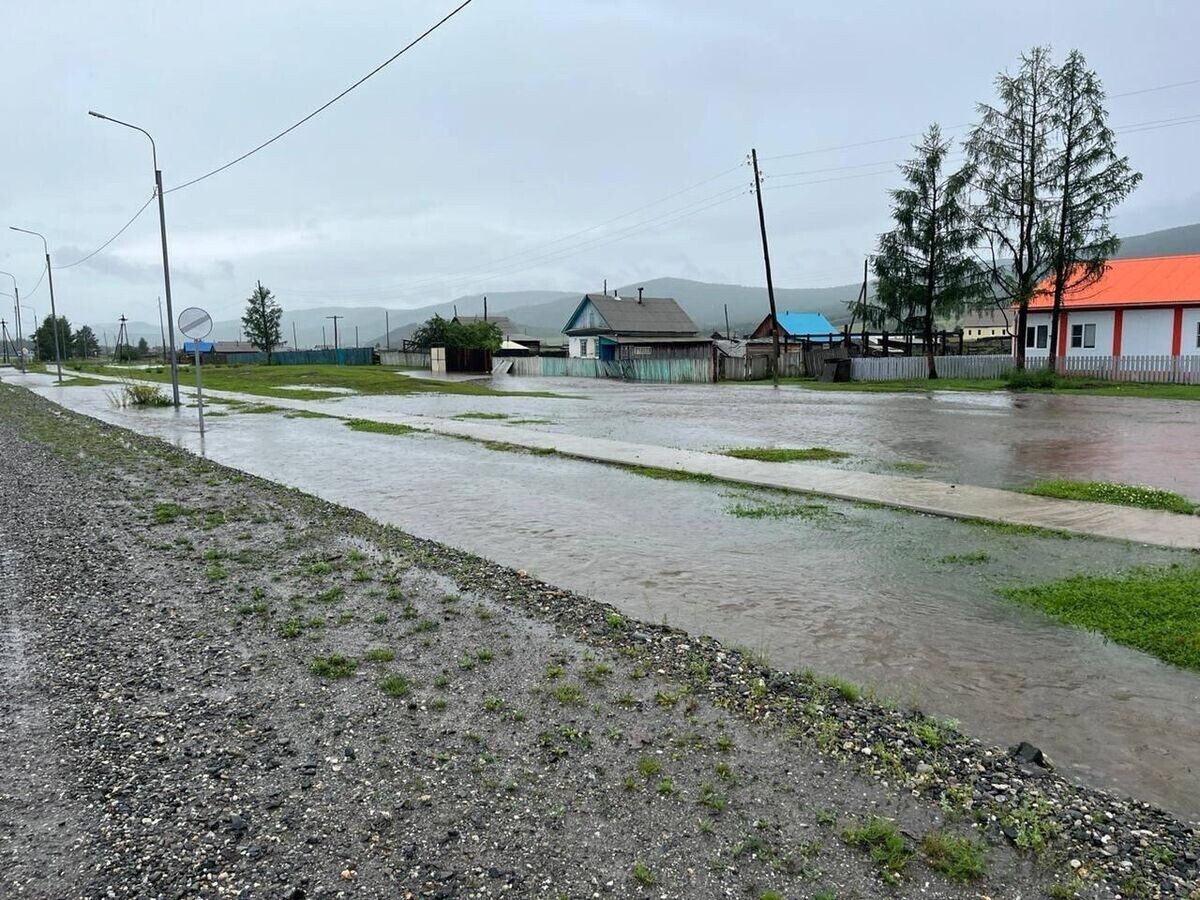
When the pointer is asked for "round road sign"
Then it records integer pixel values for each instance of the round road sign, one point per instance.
(195, 323)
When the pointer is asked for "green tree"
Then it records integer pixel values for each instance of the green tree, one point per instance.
(925, 266)
(84, 343)
(143, 348)
(263, 321)
(1090, 180)
(1009, 153)
(439, 332)
(44, 337)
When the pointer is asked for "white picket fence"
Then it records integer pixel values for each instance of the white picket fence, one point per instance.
(1161, 369)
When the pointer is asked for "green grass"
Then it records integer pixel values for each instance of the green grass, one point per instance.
(958, 858)
(966, 559)
(786, 454)
(481, 415)
(777, 510)
(1117, 494)
(333, 666)
(378, 427)
(380, 654)
(1152, 610)
(666, 474)
(882, 840)
(275, 381)
(642, 875)
(165, 513)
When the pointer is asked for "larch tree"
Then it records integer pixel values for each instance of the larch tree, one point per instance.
(925, 267)
(263, 321)
(1010, 155)
(1089, 181)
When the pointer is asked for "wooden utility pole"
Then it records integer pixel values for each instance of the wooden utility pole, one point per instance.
(295, 340)
(335, 338)
(728, 333)
(387, 330)
(762, 226)
(485, 307)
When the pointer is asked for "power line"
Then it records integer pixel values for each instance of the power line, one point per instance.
(324, 106)
(113, 238)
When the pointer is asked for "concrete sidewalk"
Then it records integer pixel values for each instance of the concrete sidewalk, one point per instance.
(938, 498)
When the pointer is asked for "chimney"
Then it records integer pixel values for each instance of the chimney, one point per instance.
(639, 295)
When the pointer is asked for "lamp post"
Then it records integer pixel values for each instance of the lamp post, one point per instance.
(17, 308)
(162, 227)
(53, 308)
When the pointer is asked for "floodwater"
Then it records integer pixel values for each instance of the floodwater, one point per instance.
(867, 594)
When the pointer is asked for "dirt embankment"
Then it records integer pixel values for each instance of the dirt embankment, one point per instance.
(212, 686)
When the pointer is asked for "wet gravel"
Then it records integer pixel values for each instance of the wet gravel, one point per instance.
(172, 727)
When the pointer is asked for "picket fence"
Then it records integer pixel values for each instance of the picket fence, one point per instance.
(673, 371)
(1162, 369)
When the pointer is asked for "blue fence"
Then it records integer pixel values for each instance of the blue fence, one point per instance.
(348, 356)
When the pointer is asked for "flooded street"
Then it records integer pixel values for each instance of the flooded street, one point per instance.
(873, 595)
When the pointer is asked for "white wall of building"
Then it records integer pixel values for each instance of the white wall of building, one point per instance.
(1147, 331)
(583, 348)
(1190, 345)
(1035, 321)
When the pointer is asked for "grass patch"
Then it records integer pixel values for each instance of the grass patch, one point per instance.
(303, 382)
(396, 685)
(166, 513)
(642, 875)
(1060, 385)
(481, 415)
(775, 509)
(882, 840)
(380, 655)
(958, 858)
(1152, 610)
(333, 666)
(378, 427)
(1117, 494)
(966, 559)
(667, 474)
(786, 454)
(307, 414)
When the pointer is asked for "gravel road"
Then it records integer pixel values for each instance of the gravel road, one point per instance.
(214, 686)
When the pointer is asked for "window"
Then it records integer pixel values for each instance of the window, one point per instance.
(1037, 336)
(583, 347)
(1198, 335)
(1083, 335)
(641, 351)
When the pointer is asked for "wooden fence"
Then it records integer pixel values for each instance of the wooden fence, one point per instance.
(343, 356)
(1161, 368)
(673, 371)
(412, 359)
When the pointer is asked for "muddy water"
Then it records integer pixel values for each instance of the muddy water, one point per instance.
(992, 439)
(866, 594)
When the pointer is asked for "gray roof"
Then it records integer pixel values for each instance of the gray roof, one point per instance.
(660, 339)
(650, 315)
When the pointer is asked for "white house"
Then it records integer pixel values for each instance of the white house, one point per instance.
(1138, 307)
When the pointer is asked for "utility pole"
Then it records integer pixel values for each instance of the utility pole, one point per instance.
(356, 345)
(324, 345)
(335, 337)
(762, 226)
(295, 340)
(485, 307)
(53, 308)
(387, 331)
(16, 294)
(4, 338)
(162, 335)
(728, 333)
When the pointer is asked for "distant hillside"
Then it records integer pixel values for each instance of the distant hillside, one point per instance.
(1168, 242)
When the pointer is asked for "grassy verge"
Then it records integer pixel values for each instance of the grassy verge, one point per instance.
(304, 382)
(1117, 494)
(1088, 386)
(786, 454)
(372, 427)
(1153, 610)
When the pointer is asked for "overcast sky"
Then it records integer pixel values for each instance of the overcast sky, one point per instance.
(472, 163)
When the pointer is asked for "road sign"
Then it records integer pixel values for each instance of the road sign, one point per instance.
(195, 323)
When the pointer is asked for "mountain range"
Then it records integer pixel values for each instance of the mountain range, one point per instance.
(543, 313)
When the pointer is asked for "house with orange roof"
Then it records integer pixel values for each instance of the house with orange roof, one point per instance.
(1138, 307)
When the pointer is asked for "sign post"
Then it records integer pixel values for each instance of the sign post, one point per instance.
(196, 324)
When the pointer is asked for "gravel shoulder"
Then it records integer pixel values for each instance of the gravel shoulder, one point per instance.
(211, 685)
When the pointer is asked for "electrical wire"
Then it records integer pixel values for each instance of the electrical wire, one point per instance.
(120, 232)
(324, 106)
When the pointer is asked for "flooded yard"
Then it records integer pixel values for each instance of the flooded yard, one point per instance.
(900, 601)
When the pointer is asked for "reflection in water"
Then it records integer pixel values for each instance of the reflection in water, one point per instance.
(863, 593)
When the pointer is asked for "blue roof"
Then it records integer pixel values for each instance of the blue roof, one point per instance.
(801, 323)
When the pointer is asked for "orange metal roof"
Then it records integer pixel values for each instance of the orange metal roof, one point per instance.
(1153, 281)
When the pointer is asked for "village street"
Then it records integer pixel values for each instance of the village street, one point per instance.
(900, 601)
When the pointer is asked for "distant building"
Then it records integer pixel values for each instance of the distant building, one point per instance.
(1138, 307)
(986, 325)
(620, 328)
(797, 326)
(510, 333)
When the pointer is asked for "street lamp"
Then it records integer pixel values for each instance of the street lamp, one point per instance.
(53, 308)
(162, 227)
(17, 308)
